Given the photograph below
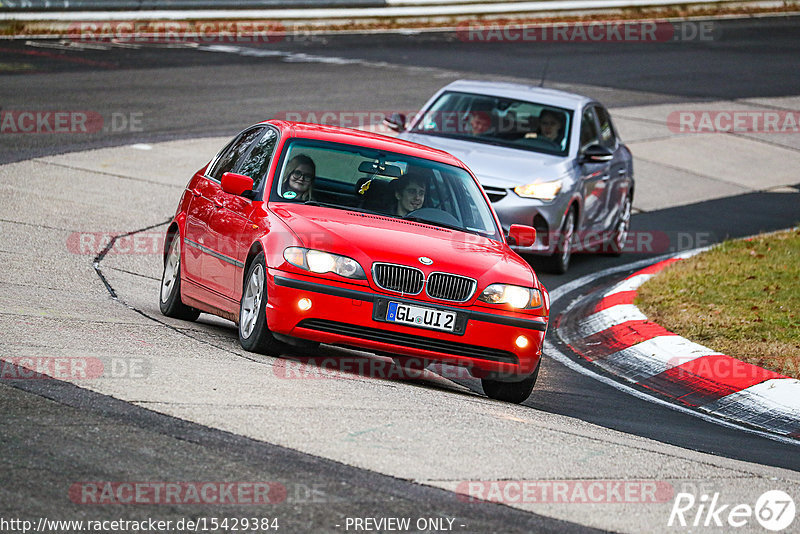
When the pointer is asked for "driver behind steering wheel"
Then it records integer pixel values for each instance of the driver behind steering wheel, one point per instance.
(409, 191)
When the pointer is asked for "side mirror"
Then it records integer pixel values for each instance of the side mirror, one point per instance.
(597, 154)
(396, 122)
(237, 184)
(521, 235)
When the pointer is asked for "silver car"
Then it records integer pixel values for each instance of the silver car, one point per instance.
(546, 158)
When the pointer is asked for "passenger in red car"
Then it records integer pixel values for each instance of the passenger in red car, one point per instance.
(298, 182)
(410, 193)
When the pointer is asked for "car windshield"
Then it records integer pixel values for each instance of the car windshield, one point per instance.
(499, 121)
(351, 177)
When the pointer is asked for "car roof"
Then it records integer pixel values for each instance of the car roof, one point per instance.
(372, 140)
(520, 91)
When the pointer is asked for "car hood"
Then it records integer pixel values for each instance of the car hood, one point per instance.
(494, 165)
(370, 238)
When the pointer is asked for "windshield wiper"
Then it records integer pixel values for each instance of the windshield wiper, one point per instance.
(341, 207)
(423, 220)
(324, 204)
(442, 224)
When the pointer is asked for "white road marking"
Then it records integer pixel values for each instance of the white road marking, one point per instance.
(630, 284)
(64, 44)
(604, 319)
(45, 44)
(653, 357)
(555, 353)
(776, 400)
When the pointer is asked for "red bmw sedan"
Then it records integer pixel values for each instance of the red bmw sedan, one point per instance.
(305, 234)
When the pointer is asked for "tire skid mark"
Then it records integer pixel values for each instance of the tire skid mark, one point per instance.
(96, 265)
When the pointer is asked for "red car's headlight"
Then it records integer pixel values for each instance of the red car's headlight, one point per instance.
(318, 261)
(522, 298)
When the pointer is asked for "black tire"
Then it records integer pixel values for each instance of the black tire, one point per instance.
(558, 262)
(169, 301)
(254, 334)
(514, 392)
(616, 243)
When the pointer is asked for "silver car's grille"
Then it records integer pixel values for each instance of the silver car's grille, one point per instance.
(452, 287)
(398, 278)
(495, 193)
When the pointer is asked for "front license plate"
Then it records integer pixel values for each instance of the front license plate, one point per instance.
(397, 312)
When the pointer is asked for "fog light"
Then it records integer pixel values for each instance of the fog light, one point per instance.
(304, 304)
(521, 342)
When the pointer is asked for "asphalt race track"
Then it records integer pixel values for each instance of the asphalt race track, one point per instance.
(188, 405)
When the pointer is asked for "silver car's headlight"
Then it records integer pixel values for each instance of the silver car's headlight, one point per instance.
(318, 261)
(515, 296)
(540, 190)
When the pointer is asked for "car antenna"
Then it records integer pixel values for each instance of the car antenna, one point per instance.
(544, 71)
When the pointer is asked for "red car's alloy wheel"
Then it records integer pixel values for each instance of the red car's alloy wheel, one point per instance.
(254, 334)
(171, 274)
(170, 302)
(251, 301)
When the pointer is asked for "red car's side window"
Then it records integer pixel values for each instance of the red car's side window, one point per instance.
(231, 154)
(256, 163)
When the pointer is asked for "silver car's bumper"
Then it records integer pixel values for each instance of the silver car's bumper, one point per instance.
(546, 217)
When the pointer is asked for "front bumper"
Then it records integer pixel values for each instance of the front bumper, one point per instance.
(342, 315)
(546, 217)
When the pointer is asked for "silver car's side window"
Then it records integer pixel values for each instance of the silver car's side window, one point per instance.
(589, 133)
(608, 137)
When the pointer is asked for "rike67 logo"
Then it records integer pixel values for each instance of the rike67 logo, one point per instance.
(774, 510)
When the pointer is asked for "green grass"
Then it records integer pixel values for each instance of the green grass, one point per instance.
(741, 298)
